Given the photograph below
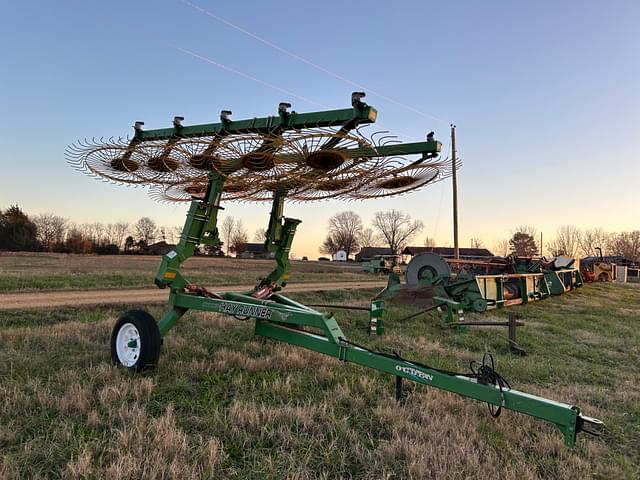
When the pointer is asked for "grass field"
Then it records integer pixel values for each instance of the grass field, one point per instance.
(224, 404)
(23, 273)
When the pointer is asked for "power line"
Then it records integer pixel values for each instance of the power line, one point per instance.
(242, 74)
(211, 61)
(309, 62)
(222, 66)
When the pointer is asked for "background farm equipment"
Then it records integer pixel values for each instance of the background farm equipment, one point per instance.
(295, 156)
(598, 269)
(383, 264)
(479, 285)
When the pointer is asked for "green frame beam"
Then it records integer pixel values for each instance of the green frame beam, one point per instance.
(564, 416)
(292, 121)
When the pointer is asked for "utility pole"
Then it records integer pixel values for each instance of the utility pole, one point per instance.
(456, 246)
(541, 243)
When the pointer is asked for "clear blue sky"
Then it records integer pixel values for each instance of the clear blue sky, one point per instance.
(545, 96)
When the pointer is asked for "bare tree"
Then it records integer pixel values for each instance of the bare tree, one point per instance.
(51, 230)
(367, 237)
(166, 233)
(176, 233)
(119, 232)
(501, 247)
(98, 232)
(476, 243)
(566, 241)
(109, 233)
(429, 242)
(226, 230)
(592, 238)
(345, 229)
(397, 228)
(239, 238)
(86, 231)
(626, 244)
(260, 235)
(146, 230)
(329, 246)
(114, 233)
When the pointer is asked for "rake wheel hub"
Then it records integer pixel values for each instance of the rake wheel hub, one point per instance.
(396, 182)
(163, 164)
(325, 160)
(258, 161)
(205, 162)
(124, 164)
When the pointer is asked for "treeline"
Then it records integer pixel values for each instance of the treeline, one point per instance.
(395, 229)
(346, 231)
(573, 242)
(51, 233)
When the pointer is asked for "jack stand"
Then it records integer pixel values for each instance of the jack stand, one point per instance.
(399, 392)
(512, 323)
(513, 344)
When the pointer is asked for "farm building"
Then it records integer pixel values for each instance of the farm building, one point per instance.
(159, 248)
(339, 256)
(367, 253)
(255, 250)
(448, 252)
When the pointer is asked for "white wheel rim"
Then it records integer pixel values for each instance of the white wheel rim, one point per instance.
(128, 345)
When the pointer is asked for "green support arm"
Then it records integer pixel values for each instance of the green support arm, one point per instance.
(200, 228)
(279, 240)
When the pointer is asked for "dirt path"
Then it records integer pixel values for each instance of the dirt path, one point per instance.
(31, 300)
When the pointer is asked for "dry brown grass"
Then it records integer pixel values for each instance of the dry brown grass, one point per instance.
(31, 272)
(223, 404)
(51, 263)
(419, 429)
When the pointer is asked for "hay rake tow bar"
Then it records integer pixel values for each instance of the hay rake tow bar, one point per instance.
(280, 167)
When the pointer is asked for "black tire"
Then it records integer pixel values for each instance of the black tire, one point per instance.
(144, 355)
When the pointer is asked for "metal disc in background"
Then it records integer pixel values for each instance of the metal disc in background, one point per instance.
(424, 264)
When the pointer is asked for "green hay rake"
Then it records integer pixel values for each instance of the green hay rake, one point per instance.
(301, 157)
(430, 280)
